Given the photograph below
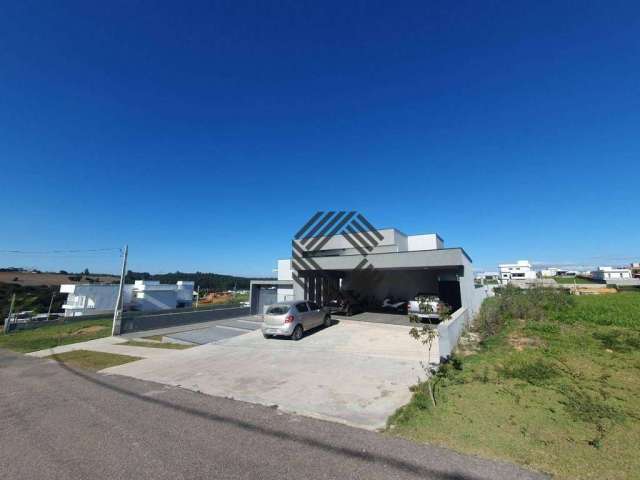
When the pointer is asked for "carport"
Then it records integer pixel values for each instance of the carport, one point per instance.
(397, 275)
(268, 292)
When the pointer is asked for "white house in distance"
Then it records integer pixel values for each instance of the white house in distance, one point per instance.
(610, 273)
(143, 295)
(487, 276)
(521, 270)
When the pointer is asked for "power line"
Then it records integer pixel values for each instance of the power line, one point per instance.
(57, 252)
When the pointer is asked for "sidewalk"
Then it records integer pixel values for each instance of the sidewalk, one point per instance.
(107, 345)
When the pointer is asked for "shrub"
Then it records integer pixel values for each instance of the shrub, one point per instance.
(538, 372)
(619, 340)
(536, 304)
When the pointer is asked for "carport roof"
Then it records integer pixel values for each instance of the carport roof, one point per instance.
(444, 257)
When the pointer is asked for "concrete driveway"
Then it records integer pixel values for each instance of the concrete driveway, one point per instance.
(353, 372)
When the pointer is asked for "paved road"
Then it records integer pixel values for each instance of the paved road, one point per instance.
(58, 423)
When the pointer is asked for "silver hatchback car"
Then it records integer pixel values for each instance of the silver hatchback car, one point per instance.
(292, 319)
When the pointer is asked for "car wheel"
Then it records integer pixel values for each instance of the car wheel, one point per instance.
(327, 321)
(266, 336)
(297, 333)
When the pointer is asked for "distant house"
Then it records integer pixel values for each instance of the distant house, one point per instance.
(143, 295)
(521, 270)
(550, 272)
(635, 270)
(611, 273)
(487, 276)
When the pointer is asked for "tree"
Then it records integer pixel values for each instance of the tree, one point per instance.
(86, 271)
(427, 333)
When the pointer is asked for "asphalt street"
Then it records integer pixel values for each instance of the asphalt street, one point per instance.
(60, 423)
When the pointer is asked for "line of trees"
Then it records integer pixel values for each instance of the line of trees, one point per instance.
(213, 282)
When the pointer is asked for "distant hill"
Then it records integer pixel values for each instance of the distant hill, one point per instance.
(214, 282)
(31, 297)
(36, 278)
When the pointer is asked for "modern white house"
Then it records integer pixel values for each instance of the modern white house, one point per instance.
(401, 266)
(521, 270)
(143, 295)
(550, 272)
(611, 273)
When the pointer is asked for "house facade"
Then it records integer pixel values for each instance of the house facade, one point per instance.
(521, 270)
(610, 273)
(399, 266)
(143, 295)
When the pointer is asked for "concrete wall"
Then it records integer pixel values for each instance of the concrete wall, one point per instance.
(449, 332)
(424, 242)
(338, 242)
(467, 286)
(285, 294)
(154, 300)
(139, 322)
(284, 269)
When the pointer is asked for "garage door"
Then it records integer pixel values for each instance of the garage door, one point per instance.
(266, 296)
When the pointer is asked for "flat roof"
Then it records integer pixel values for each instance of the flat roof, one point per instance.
(442, 257)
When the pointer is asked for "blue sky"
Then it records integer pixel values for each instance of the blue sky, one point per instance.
(205, 134)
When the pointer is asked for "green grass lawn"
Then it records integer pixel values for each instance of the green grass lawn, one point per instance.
(172, 346)
(572, 280)
(559, 395)
(92, 360)
(54, 335)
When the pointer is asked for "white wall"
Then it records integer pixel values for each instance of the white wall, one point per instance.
(424, 242)
(89, 299)
(285, 294)
(284, 269)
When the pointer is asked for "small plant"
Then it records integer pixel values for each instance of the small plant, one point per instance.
(427, 333)
(538, 372)
(618, 340)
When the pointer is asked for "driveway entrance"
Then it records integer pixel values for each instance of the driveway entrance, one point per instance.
(353, 372)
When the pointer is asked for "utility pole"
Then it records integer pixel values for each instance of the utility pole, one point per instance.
(53, 295)
(7, 321)
(117, 312)
(198, 297)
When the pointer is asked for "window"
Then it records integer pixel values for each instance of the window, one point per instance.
(313, 306)
(302, 307)
(278, 309)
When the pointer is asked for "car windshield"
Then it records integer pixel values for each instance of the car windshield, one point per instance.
(277, 309)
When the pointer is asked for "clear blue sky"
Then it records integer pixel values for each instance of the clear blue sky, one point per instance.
(204, 135)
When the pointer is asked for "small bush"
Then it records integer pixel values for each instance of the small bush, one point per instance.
(583, 406)
(538, 372)
(535, 304)
(618, 340)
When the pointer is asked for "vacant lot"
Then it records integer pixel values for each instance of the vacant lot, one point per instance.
(572, 280)
(555, 388)
(53, 335)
